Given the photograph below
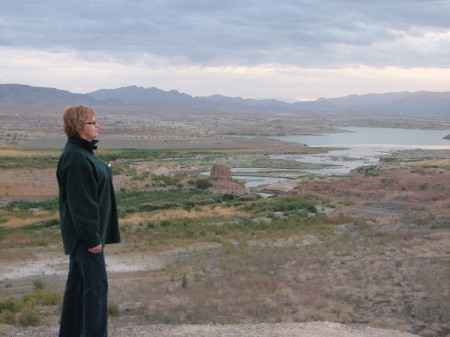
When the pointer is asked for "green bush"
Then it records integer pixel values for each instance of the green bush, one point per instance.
(141, 176)
(148, 207)
(11, 305)
(24, 205)
(113, 310)
(26, 308)
(168, 180)
(48, 297)
(228, 196)
(137, 198)
(287, 204)
(184, 282)
(29, 317)
(206, 202)
(38, 284)
(248, 197)
(201, 184)
(7, 317)
(165, 223)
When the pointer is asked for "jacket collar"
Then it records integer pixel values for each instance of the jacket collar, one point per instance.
(90, 146)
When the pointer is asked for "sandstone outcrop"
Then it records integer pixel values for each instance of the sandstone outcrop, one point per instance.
(221, 172)
(221, 178)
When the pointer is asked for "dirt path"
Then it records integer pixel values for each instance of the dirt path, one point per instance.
(314, 329)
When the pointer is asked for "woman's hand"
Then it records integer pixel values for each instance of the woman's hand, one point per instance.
(96, 250)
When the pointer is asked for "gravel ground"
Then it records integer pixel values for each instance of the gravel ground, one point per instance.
(314, 329)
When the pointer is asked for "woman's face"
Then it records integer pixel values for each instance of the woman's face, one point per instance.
(90, 130)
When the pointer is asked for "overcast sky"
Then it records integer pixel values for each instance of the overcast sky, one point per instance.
(293, 49)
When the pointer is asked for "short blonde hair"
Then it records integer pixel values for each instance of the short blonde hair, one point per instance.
(75, 118)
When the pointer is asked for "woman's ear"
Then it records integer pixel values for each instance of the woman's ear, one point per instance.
(79, 132)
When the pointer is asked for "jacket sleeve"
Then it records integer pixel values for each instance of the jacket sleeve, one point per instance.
(81, 187)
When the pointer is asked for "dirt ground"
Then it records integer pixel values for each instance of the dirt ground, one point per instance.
(313, 329)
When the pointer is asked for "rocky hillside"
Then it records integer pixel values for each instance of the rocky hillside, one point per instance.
(417, 103)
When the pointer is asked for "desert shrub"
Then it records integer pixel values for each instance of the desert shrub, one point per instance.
(372, 170)
(113, 309)
(206, 202)
(188, 205)
(24, 205)
(280, 205)
(148, 207)
(26, 308)
(123, 212)
(7, 317)
(43, 224)
(165, 223)
(29, 317)
(10, 305)
(38, 285)
(40, 296)
(48, 297)
(229, 196)
(201, 184)
(184, 282)
(248, 197)
(141, 176)
(168, 179)
(137, 198)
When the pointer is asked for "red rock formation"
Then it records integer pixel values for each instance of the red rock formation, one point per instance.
(220, 172)
(221, 179)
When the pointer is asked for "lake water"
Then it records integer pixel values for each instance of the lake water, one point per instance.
(391, 138)
(364, 147)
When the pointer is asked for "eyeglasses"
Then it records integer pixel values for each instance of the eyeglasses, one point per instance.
(92, 123)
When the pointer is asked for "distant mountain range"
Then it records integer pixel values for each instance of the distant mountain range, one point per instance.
(416, 103)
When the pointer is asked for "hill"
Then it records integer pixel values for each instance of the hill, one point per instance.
(417, 103)
(25, 94)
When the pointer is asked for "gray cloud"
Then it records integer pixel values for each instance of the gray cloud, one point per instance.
(306, 33)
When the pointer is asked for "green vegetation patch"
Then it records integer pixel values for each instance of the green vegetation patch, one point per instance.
(137, 201)
(207, 159)
(24, 205)
(284, 164)
(38, 162)
(137, 198)
(41, 234)
(242, 160)
(288, 204)
(253, 219)
(133, 154)
(26, 310)
(168, 180)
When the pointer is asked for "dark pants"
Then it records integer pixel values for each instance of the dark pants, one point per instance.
(84, 311)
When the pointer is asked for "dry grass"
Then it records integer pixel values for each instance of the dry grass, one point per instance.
(16, 153)
(11, 220)
(432, 165)
(200, 212)
(29, 239)
(374, 281)
(15, 254)
(28, 183)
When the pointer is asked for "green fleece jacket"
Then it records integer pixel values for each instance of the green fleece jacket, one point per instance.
(87, 203)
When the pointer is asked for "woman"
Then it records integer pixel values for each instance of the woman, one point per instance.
(88, 217)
